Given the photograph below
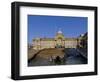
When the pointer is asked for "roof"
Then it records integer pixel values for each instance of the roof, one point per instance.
(53, 39)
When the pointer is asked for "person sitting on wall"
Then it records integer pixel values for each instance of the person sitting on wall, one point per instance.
(58, 60)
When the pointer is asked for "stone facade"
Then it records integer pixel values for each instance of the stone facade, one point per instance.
(83, 44)
(59, 41)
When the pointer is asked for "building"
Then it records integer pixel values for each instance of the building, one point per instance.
(59, 41)
(83, 44)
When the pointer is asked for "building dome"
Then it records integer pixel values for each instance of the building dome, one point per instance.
(59, 35)
(59, 32)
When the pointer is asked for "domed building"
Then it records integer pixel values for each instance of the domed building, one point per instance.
(59, 41)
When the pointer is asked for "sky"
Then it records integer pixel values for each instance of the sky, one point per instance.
(40, 26)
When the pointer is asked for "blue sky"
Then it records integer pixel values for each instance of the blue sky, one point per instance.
(47, 26)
